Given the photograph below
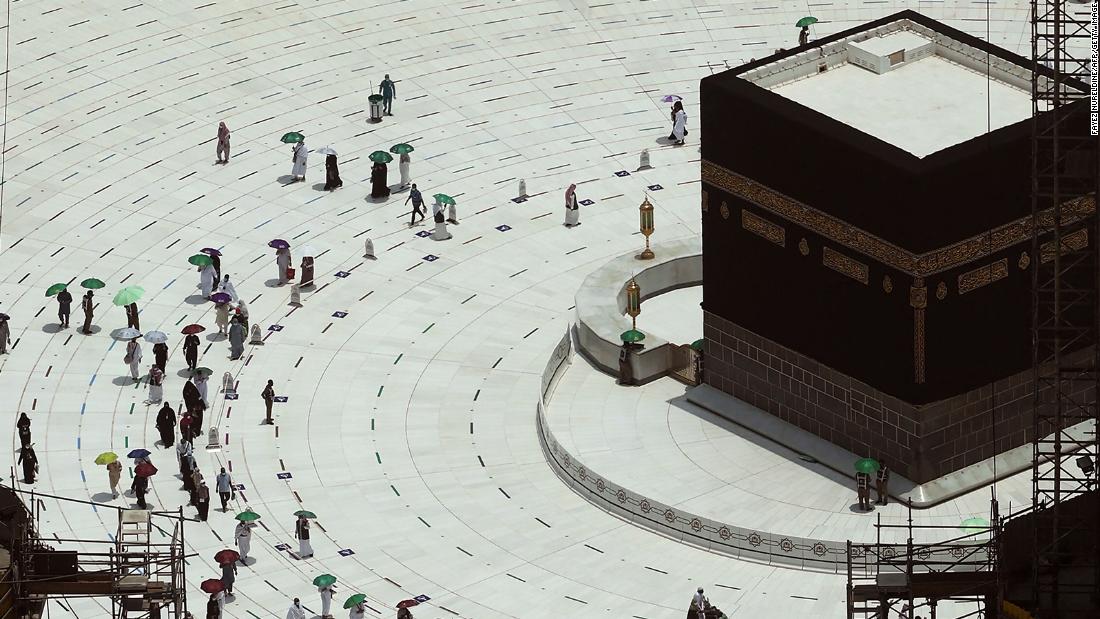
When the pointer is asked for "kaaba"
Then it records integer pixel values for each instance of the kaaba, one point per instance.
(867, 241)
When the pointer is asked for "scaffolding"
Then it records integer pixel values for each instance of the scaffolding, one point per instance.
(1065, 307)
(141, 569)
(904, 581)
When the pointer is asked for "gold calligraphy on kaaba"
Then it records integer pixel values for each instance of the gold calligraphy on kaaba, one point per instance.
(843, 264)
(983, 276)
(881, 250)
(762, 227)
(1074, 241)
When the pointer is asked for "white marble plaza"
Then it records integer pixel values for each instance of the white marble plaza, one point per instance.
(411, 380)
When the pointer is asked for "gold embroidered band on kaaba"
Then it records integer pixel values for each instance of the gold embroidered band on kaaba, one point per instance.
(758, 225)
(885, 252)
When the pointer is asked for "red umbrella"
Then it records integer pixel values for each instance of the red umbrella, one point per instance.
(193, 329)
(212, 585)
(407, 603)
(227, 556)
(145, 469)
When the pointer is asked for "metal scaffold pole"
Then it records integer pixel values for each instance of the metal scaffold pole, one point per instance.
(1065, 308)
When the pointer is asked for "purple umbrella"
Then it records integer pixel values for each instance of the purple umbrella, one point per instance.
(210, 251)
(279, 244)
(671, 98)
(221, 297)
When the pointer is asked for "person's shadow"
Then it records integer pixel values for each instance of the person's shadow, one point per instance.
(123, 381)
(52, 327)
(195, 299)
(286, 179)
(103, 497)
(272, 283)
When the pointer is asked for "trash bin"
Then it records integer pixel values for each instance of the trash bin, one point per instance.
(375, 102)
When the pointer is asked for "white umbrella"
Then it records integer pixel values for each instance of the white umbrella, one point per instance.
(307, 250)
(128, 333)
(325, 150)
(156, 337)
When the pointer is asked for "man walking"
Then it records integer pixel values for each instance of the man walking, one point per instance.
(223, 143)
(87, 305)
(268, 395)
(166, 425)
(191, 351)
(132, 316)
(882, 481)
(863, 491)
(5, 335)
(225, 488)
(203, 503)
(114, 475)
(418, 201)
(64, 301)
(389, 92)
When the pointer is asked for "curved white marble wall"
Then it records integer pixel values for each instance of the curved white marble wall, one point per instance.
(601, 304)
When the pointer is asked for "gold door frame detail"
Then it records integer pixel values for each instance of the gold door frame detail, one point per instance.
(918, 299)
(885, 252)
(762, 227)
(843, 264)
(983, 276)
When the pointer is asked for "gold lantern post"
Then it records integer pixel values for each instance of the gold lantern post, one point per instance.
(633, 302)
(645, 224)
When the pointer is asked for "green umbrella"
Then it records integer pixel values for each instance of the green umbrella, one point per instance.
(632, 336)
(92, 283)
(106, 457)
(292, 137)
(247, 516)
(56, 288)
(401, 149)
(324, 580)
(697, 345)
(443, 198)
(380, 156)
(355, 599)
(201, 260)
(305, 513)
(971, 525)
(867, 465)
(806, 21)
(128, 295)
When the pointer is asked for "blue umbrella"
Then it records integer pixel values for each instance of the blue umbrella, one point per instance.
(138, 453)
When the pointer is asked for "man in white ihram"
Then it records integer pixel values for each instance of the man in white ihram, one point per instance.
(299, 155)
(296, 611)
